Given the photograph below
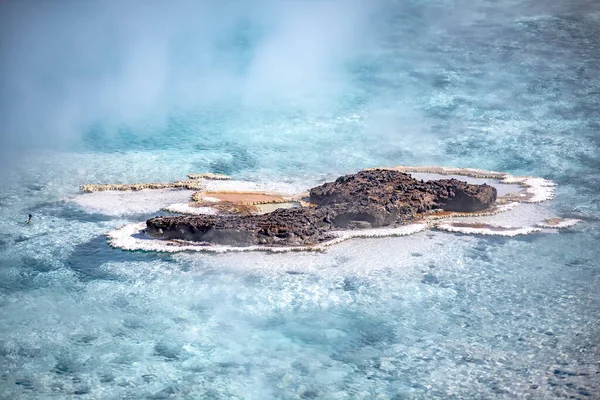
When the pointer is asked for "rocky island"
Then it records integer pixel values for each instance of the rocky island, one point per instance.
(367, 199)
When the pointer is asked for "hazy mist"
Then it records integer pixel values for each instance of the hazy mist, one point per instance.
(407, 74)
(67, 65)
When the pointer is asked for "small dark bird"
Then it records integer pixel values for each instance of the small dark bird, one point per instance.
(29, 220)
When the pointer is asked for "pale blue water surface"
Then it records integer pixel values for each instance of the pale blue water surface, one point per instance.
(501, 85)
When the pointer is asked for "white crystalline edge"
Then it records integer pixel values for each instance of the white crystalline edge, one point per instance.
(123, 238)
(539, 189)
(563, 223)
(507, 207)
(209, 176)
(498, 209)
(184, 208)
(476, 173)
(503, 189)
(513, 231)
(117, 203)
(382, 232)
(525, 214)
(471, 171)
(247, 186)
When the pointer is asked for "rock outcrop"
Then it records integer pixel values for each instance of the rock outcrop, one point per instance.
(289, 227)
(371, 198)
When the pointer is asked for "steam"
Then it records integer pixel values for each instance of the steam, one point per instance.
(69, 65)
(382, 81)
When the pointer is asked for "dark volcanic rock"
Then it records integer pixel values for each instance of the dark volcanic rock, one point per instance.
(455, 195)
(367, 199)
(400, 193)
(290, 227)
(379, 197)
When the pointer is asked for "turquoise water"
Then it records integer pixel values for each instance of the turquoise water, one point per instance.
(297, 94)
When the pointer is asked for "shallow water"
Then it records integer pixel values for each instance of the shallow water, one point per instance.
(507, 87)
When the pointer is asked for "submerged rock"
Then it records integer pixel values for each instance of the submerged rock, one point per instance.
(371, 198)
